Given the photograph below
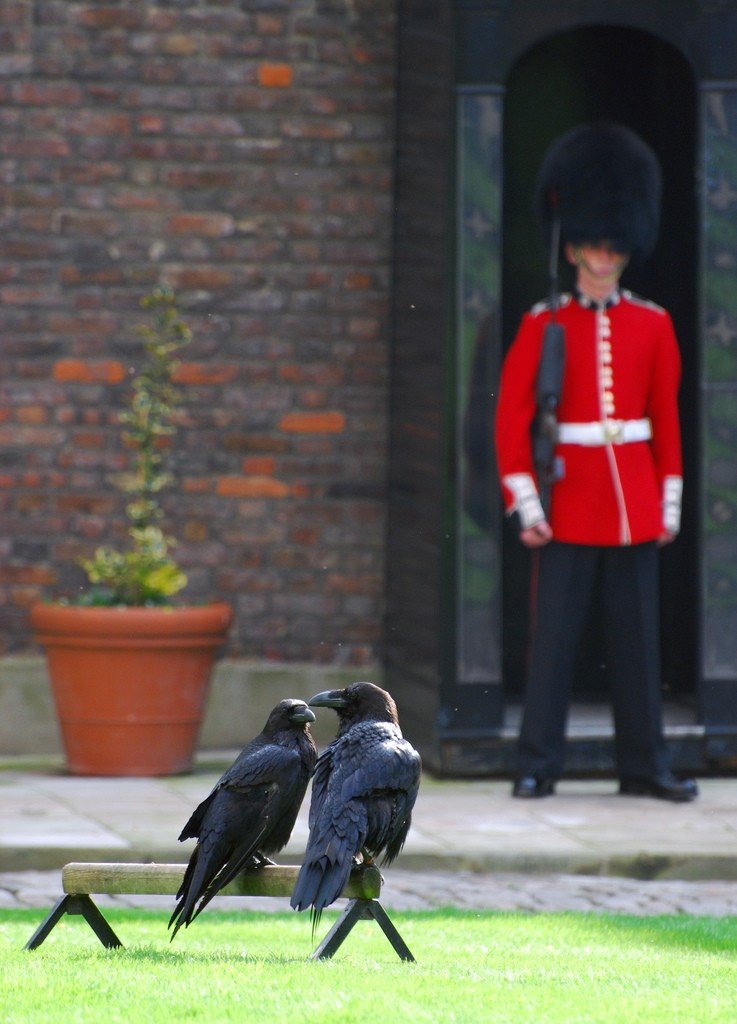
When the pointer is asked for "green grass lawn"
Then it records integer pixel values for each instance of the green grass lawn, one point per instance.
(505, 968)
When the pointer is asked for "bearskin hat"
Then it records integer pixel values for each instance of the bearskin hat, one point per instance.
(603, 182)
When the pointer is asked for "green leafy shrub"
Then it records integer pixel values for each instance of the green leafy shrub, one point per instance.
(146, 574)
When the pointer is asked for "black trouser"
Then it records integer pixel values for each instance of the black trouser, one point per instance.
(629, 577)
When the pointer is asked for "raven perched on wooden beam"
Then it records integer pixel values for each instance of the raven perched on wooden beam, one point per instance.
(251, 811)
(363, 792)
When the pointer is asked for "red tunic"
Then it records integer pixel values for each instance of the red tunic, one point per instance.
(622, 363)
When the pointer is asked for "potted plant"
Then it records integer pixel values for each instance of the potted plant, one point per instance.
(129, 669)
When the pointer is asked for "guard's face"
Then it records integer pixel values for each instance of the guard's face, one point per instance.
(598, 259)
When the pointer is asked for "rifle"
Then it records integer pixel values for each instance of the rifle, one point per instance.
(549, 384)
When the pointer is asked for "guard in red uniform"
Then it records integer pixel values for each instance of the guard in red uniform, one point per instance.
(618, 476)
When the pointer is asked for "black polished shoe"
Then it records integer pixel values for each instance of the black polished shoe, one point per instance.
(527, 787)
(662, 787)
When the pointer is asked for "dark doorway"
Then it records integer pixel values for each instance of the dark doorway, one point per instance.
(635, 78)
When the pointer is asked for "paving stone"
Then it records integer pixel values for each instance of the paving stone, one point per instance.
(466, 890)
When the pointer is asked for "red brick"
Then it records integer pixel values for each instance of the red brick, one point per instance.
(104, 371)
(358, 280)
(25, 574)
(313, 398)
(108, 17)
(262, 443)
(129, 199)
(317, 373)
(251, 487)
(29, 504)
(313, 422)
(310, 128)
(15, 295)
(181, 45)
(31, 414)
(203, 373)
(205, 278)
(150, 124)
(89, 439)
(47, 94)
(90, 275)
(305, 535)
(197, 177)
(99, 325)
(90, 123)
(275, 76)
(22, 436)
(209, 225)
(44, 149)
(322, 104)
(340, 584)
(364, 328)
(85, 503)
(259, 466)
(270, 25)
(195, 532)
(196, 486)
(88, 223)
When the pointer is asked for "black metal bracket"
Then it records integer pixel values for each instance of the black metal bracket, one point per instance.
(361, 910)
(75, 904)
(355, 910)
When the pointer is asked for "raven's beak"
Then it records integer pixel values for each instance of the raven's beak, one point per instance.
(329, 699)
(302, 715)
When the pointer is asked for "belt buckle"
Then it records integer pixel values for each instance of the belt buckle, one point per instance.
(614, 431)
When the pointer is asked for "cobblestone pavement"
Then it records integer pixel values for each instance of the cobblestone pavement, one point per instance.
(410, 890)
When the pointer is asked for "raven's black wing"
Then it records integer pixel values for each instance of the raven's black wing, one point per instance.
(236, 821)
(242, 768)
(363, 792)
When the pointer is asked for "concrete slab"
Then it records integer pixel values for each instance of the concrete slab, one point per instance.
(34, 820)
(50, 818)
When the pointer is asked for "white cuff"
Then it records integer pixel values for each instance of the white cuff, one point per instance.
(526, 499)
(672, 494)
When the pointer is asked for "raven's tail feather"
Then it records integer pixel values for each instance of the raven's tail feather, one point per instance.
(186, 896)
(319, 884)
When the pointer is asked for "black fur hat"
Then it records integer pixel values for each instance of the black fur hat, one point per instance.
(604, 182)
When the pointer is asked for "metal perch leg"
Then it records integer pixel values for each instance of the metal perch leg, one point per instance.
(361, 910)
(75, 904)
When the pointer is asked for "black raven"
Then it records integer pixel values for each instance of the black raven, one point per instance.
(363, 792)
(251, 811)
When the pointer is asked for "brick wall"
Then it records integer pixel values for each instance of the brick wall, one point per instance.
(242, 152)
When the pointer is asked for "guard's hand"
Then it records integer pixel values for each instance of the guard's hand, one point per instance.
(537, 536)
(665, 538)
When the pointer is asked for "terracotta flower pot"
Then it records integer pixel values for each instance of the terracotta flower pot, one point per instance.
(130, 684)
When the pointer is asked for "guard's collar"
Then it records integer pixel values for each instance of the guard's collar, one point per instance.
(587, 303)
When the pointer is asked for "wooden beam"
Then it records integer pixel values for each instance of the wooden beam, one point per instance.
(119, 879)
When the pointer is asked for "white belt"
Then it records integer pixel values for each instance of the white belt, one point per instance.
(605, 432)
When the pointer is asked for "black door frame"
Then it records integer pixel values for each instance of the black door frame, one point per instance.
(653, 90)
(449, 51)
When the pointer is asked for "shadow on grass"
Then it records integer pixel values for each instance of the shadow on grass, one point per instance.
(153, 955)
(250, 935)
